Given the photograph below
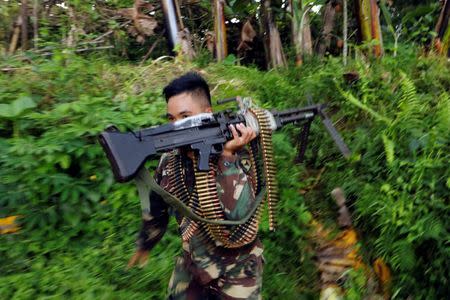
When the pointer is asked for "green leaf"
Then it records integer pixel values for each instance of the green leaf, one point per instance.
(388, 148)
(305, 217)
(353, 100)
(17, 107)
(64, 161)
(403, 257)
(230, 60)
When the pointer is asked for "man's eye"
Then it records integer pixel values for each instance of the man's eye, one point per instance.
(185, 116)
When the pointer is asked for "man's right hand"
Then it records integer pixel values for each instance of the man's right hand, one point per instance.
(139, 258)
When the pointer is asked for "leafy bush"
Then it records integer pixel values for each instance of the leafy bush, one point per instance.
(401, 187)
(395, 118)
(78, 226)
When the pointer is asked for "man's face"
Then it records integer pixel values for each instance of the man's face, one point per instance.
(185, 105)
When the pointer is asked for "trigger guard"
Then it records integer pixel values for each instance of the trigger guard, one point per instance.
(217, 149)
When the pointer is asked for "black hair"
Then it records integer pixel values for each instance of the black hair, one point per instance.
(190, 82)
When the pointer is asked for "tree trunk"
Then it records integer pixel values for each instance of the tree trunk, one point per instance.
(296, 12)
(344, 32)
(364, 20)
(220, 30)
(178, 11)
(171, 24)
(185, 41)
(179, 38)
(184, 37)
(442, 40)
(24, 29)
(272, 38)
(301, 32)
(307, 38)
(264, 30)
(72, 35)
(35, 23)
(15, 35)
(376, 28)
(328, 24)
(369, 24)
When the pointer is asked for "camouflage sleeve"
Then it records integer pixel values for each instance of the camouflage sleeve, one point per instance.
(234, 185)
(154, 223)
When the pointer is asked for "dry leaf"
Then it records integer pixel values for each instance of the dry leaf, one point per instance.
(247, 36)
(8, 225)
(145, 25)
(127, 13)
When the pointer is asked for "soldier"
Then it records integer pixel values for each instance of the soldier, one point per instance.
(206, 269)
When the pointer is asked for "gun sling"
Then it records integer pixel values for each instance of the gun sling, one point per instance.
(146, 183)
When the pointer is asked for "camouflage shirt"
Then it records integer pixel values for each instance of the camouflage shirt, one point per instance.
(236, 195)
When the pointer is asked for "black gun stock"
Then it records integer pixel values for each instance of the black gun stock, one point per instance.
(205, 133)
(126, 153)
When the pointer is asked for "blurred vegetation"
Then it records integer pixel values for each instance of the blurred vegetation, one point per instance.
(78, 226)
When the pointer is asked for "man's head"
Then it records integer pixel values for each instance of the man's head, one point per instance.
(186, 96)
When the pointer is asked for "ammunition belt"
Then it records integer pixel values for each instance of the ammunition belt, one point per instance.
(180, 190)
(265, 134)
(228, 237)
(204, 200)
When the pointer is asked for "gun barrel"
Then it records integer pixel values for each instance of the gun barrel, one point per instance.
(315, 108)
(307, 114)
(296, 118)
(226, 100)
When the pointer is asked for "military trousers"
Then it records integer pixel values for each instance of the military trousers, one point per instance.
(221, 277)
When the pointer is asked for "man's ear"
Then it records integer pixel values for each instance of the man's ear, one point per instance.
(208, 109)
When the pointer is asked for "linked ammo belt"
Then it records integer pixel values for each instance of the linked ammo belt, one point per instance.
(202, 211)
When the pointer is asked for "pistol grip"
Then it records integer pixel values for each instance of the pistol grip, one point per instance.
(204, 152)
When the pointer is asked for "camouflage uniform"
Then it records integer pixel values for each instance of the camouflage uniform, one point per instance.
(205, 270)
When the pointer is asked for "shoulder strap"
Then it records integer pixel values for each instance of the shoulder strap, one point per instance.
(146, 183)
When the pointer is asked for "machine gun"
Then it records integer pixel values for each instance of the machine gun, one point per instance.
(206, 133)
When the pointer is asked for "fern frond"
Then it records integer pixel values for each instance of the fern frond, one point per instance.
(383, 245)
(443, 113)
(409, 106)
(433, 227)
(353, 100)
(408, 97)
(388, 148)
(403, 257)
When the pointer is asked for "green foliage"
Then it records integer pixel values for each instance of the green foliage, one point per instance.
(395, 119)
(55, 176)
(294, 278)
(396, 178)
(355, 285)
(241, 9)
(399, 189)
(418, 21)
(17, 107)
(78, 226)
